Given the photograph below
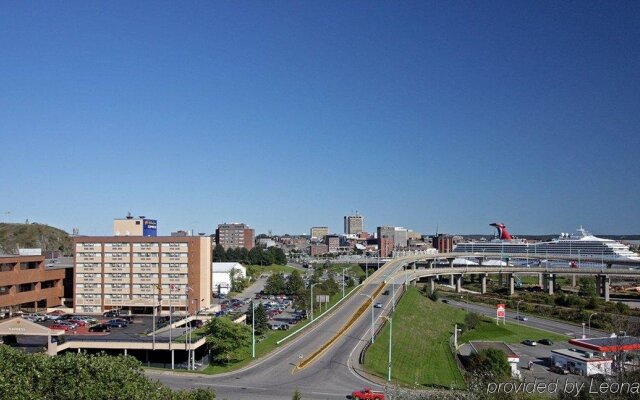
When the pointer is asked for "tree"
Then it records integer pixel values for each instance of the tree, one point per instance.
(492, 362)
(295, 284)
(587, 287)
(219, 254)
(226, 338)
(262, 321)
(330, 286)
(269, 256)
(243, 255)
(238, 284)
(82, 377)
(255, 256)
(275, 284)
(471, 320)
(279, 257)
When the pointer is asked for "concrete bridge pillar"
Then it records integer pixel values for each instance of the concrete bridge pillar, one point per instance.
(573, 280)
(599, 285)
(512, 285)
(450, 260)
(451, 280)
(483, 278)
(541, 281)
(432, 285)
(481, 261)
(606, 281)
(550, 280)
(459, 284)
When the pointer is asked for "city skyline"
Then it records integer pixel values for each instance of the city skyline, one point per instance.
(415, 114)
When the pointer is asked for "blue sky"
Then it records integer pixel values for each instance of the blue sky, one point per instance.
(286, 115)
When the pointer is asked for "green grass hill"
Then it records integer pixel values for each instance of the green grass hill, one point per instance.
(33, 235)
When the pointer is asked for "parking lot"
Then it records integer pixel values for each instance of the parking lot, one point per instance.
(540, 355)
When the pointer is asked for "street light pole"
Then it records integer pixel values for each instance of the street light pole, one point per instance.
(590, 322)
(390, 319)
(253, 326)
(518, 311)
(372, 315)
(343, 281)
(312, 285)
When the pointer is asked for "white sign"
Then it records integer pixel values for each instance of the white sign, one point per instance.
(30, 252)
(322, 298)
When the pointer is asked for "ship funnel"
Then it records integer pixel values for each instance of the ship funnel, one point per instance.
(503, 233)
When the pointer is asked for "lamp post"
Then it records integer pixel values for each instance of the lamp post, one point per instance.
(518, 311)
(366, 267)
(390, 319)
(583, 335)
(372, 316)
(343, 281)
(253, 326)
(590, 322)
(312, 285)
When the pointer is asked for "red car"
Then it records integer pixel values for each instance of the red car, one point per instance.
(367, 394)
(61, 327)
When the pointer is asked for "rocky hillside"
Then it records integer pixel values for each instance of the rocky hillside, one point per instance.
(33, 235)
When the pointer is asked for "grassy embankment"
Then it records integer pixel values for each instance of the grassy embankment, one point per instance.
(421, 353)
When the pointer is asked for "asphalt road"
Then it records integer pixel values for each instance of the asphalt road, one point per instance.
(273, 377)
(564, 328)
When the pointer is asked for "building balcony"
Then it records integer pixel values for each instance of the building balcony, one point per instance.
(123, 290)
(94, 269)
(111, 279)
(88, 247)
(117, 258)
(174, 270)
(91, 290)
(183, 280)
(125, 269)
(180, 259)
(83, 278)
(117, 248)
(146, 280)
(81, 301)
(175, 247)
(88, 259)
(146, 270)
(146, 259)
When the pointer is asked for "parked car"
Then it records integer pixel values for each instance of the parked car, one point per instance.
(117, 323)
(100, 328)
(60, 326)
(111, 314)
(35, 317)
(78, 321)
(547, 342)
(559, 370)
(530, 342)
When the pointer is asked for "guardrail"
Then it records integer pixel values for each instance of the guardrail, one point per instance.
(319, 316)
(304, 363)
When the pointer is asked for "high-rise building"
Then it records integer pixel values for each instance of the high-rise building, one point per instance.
(333, 242)
(353, 224)
(443, 243)
(25, 284)
(234, 235)
(319, 232)
(131, 226)
(398, 234)
(139, 273)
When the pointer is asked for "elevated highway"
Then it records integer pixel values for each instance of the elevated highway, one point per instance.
(322, 361)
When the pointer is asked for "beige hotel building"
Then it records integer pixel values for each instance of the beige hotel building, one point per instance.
(137, 273)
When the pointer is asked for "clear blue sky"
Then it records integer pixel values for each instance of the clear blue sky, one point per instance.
(286, 115)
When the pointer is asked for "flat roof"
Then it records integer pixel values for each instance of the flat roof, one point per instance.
(477, 346)
(609, 344)
(579, 355)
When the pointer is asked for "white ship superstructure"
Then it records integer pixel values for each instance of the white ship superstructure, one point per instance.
(587, 248)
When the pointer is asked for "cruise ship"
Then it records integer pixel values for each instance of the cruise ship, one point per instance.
(588, 249)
